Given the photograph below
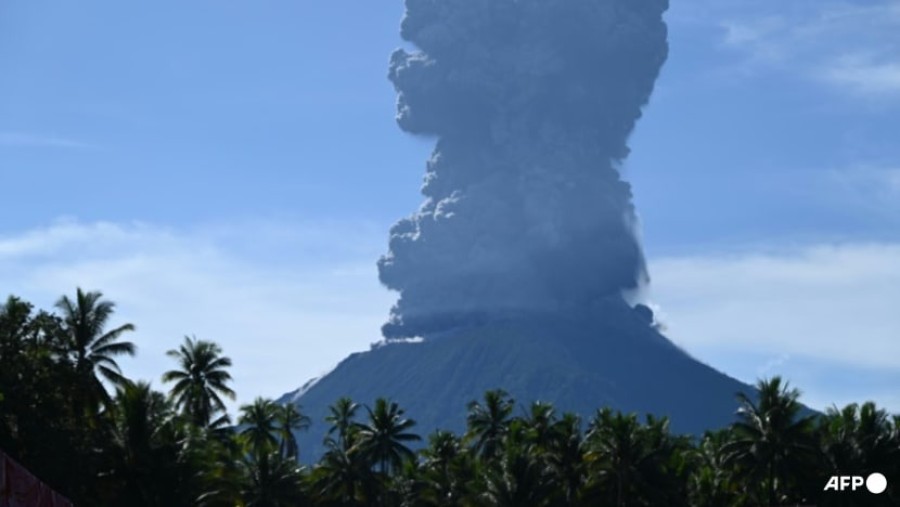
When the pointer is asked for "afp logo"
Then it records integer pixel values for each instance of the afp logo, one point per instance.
(876, 483)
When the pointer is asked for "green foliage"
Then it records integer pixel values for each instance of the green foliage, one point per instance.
(89, 345)
(488, 424)
(140, 447)
(289, 420)
(382, 440)
(258, 420)
(200, 381)
(341, 417)
(773, 443)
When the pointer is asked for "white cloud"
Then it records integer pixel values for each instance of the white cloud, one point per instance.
(282, 319)
(865, 76)
(26, 140)
(751, 314)
(848, 45)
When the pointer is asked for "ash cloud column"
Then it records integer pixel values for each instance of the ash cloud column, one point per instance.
(532, 103)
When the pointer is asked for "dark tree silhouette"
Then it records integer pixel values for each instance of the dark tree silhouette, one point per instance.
(92, 348)
(201, 381)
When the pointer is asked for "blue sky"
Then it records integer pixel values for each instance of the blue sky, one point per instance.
(231, 169)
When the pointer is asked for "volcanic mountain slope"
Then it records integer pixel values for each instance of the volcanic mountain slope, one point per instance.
(612, 357)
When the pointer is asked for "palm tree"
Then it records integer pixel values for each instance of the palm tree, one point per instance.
(259, 424)
(439, 482)
(139, 416)
(272, 478)
(200, 381)
(664, 469)
(92, 348)
(712, 483)
(218, 464)
(614, 452)
(565, 456)
(343, 477)
(341, 416)
(517, 479)
(489, 423)
(540, 424)
(859, 439)
(161, 459)
(773, 443)
(15, 316)
(381, 440)
(631, 463)
(443, 448)
(271, 481)
(290, 419)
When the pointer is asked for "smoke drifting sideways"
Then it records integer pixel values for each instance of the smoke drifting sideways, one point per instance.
(532, 103)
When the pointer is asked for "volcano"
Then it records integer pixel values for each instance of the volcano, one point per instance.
(515, 271)
(612, 358)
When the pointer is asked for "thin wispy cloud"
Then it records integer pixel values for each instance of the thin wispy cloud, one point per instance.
(849, 46)
(27, 140)
(865, 76)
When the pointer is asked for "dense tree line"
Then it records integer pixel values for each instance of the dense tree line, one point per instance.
(69, 414)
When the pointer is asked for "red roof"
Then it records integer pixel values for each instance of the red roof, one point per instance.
(19, 488)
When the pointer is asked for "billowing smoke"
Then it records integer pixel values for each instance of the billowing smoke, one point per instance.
(532, 103)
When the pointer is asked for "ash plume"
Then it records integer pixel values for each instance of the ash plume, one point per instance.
(532, 103)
